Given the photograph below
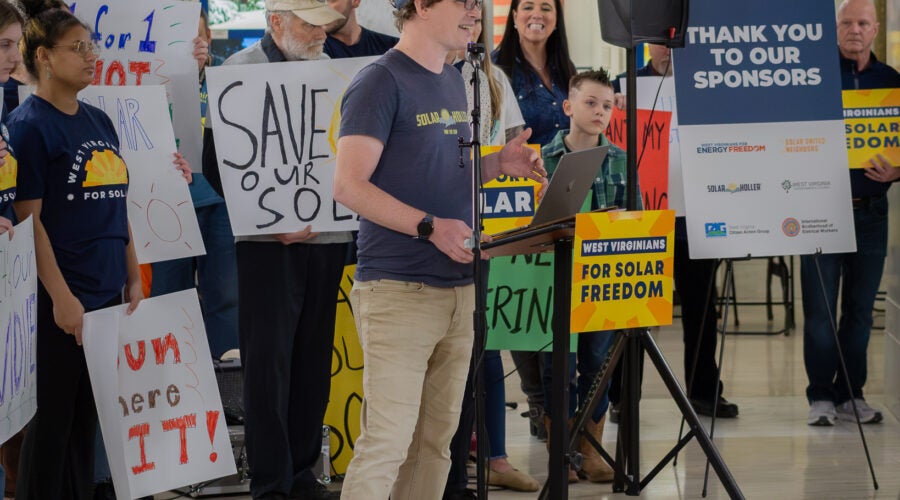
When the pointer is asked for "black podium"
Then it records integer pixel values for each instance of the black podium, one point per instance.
(557, 237)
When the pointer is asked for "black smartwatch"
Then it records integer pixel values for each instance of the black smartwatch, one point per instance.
(425, 227)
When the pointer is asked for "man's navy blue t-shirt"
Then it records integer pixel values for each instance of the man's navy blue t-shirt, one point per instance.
(418, 116)
(72, 164)
(371, 43)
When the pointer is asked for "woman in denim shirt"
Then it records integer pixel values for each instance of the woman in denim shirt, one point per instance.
(535, 55)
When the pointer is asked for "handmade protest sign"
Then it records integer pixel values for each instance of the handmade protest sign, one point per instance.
(652, 154)
(872, 124)
(762, 132)
(276, 129)
(156, 395)
(622, 270)
(18, 319)
(520, 303)
(150, 43)
(163, 221)
(345, 398)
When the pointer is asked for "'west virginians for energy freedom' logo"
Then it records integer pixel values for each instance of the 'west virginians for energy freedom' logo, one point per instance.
(790, 227)
(729, 148)
(716, 230)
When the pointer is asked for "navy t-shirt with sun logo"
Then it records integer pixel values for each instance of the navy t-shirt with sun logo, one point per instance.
(72, 164)
(7, 174)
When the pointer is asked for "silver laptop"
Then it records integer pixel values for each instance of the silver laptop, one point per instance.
(568, 188)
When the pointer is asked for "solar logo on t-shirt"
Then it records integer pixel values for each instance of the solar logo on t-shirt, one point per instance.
(105, 168)
(97, 167)
(8, 171)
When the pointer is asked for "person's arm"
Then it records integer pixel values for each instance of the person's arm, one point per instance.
(357, 157)
(134, 290)
(68, 313)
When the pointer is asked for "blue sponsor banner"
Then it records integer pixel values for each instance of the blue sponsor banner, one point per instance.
(758, 62)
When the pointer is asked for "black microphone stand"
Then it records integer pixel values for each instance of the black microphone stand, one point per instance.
(475, 56)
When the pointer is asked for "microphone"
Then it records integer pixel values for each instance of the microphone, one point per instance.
(475, 52)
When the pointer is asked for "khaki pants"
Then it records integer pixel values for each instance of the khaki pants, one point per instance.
(417, 342)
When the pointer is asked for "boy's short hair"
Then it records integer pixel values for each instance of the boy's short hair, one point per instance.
(600, 76)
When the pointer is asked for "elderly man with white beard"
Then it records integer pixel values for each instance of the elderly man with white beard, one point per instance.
(286, 333)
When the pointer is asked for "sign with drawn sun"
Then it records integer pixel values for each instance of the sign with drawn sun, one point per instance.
(150, 42)
(276, 129)
(163, 222)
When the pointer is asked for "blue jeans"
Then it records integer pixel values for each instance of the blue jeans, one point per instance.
(861, 275)
(592, 350)
(216, 278)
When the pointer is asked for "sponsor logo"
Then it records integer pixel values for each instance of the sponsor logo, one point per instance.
(790, 227)
(733, 188)
(804, 144)
(716, 230)
(729, 147)
(793, 185)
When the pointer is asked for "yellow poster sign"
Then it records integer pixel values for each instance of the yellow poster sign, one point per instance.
(872, 125)
(507, 202)
(622, 270)
(345, 399)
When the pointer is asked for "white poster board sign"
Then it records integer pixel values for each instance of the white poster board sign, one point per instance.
(156, 394)
(18, 318)
(151, 42)
(160, 210)
(762, 132)
(276, 129)
(163, 221)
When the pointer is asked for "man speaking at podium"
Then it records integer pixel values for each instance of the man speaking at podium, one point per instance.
(399, 166)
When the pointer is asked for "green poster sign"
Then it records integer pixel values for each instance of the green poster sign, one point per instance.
(520, 303)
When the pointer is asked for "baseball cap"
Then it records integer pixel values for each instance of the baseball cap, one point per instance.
(398, 4)
(315, 12)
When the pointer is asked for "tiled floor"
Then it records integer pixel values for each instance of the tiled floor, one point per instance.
(769, 449)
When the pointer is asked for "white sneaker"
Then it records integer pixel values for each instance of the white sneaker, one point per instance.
(867, 414)
(821, 413)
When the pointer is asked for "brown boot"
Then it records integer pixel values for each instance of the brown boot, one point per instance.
(594, 467)
(573, 475)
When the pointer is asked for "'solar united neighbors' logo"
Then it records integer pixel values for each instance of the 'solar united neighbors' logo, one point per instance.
(104, 168)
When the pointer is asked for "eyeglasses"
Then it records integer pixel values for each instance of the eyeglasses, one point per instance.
(471, 4)
(81, 47)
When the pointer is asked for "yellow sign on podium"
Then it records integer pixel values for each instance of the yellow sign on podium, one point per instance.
(622, 270)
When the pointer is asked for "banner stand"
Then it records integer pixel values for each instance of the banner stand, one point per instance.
(632, 342)
(862, 435)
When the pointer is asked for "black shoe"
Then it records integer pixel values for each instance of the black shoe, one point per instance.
(465, 494)
(317, 491)
(725, 409)
(614, 413)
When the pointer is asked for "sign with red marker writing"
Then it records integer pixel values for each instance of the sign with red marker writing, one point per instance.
(157, 399)
(150, 42)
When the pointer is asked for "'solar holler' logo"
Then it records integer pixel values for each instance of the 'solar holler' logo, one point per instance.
(105, 168)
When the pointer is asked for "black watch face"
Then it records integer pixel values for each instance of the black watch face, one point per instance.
(425, 228)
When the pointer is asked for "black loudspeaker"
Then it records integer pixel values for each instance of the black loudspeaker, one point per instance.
(627, 23)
